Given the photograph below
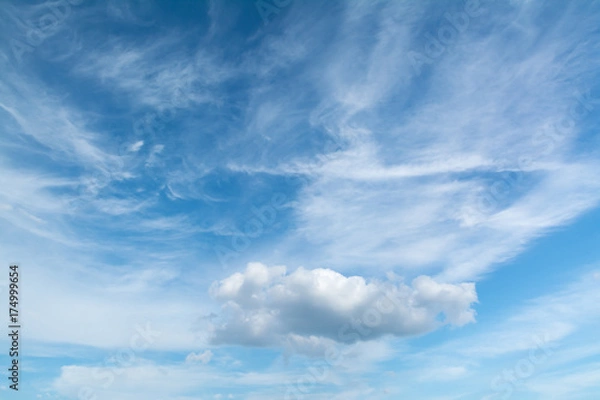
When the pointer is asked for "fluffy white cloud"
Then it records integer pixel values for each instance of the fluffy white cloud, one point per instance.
(268, 306)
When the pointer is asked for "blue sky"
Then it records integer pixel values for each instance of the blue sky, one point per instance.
(302, 200)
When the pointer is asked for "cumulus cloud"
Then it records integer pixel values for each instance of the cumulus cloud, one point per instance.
(268, 306)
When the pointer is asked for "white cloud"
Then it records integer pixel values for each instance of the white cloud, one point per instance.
(266, 306)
